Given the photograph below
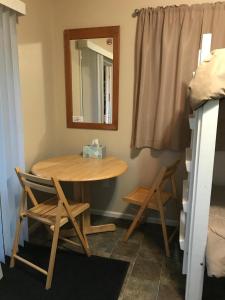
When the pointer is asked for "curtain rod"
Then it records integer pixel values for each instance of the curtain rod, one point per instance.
(135, 13)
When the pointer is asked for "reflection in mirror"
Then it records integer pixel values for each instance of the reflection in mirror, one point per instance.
(92, 80)
(92, 77)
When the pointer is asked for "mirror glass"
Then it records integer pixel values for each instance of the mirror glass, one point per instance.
(92, 77)
(92, 80)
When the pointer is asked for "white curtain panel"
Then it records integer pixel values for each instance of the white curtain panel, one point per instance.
(11, 132)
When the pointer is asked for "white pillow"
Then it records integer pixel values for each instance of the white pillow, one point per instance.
(208, 82)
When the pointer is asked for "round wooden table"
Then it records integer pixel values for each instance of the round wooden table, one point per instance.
(75, 168)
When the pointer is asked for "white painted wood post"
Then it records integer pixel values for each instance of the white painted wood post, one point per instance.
(201, 173)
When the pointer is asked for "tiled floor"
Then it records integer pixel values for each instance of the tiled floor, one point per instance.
(151, 276)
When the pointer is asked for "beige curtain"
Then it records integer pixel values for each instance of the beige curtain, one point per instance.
(167, 45)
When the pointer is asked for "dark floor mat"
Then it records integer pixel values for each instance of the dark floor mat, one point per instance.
(75, 277)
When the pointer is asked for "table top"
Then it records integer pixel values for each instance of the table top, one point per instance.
(77, 168)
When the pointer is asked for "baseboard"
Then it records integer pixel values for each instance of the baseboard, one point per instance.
(126, 216)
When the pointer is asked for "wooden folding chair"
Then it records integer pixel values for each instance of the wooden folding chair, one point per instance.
(54, 212)
(155, 198)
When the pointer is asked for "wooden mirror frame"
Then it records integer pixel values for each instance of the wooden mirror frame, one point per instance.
(88, 33)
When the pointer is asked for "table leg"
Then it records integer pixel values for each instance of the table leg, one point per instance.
(86, 219)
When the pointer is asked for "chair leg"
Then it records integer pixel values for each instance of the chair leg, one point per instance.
(53, 249)
(18, 229)
(16, 241)
(81, 236)
(177, 202)
(164, 230)
(177, 210)
(141, 220)
(134, 224)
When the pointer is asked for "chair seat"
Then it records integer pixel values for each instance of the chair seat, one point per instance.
(46, 211)
(139, 195)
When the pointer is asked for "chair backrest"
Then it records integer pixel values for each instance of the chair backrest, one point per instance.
(51, 186)
(31, 182)
(165, 174)
(171, 170)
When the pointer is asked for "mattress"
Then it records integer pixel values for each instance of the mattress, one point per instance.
(215, 250)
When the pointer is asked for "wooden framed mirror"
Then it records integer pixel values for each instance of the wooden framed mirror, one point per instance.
(92, 77)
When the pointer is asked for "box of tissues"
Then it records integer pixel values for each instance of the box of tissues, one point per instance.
(95, 150)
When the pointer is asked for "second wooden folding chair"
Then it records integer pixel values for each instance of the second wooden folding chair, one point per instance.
(155, 197)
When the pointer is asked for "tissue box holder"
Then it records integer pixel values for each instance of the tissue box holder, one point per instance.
(90, 151)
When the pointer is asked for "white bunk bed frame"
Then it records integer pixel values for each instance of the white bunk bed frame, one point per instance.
(197, 189)
(196, 197)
